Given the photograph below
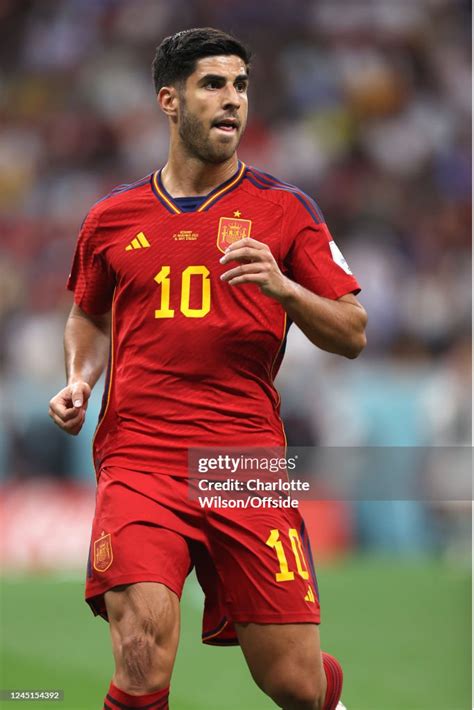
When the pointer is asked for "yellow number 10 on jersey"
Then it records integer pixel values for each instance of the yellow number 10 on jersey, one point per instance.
(163, 279)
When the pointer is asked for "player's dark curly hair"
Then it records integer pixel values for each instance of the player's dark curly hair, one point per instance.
(176, 56)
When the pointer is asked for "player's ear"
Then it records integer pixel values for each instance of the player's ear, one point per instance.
(167, 98)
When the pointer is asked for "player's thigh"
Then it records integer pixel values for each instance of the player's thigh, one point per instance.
(144, 624)
(284, 658)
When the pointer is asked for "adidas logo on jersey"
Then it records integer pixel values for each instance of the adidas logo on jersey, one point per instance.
(140, 242)
(310, 595)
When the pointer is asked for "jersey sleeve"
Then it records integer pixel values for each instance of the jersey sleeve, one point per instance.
(310, 254)
(91, 280)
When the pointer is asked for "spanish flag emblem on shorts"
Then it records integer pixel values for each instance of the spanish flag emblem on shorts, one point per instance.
(103, 555)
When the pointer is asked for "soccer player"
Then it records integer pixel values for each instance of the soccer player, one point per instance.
(186, 283)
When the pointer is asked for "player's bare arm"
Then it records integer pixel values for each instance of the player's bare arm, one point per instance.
(335, 326)
(86, 347)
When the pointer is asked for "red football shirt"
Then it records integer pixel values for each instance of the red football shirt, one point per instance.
(193, 359)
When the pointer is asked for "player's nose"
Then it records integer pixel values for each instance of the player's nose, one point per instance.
(231, 97)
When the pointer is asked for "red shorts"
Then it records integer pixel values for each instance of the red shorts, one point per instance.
(254, 565)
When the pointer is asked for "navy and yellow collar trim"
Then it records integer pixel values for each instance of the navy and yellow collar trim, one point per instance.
(216, 194)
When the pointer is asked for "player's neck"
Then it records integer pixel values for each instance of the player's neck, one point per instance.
(190, 177)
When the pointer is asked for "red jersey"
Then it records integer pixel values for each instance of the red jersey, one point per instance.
(193, 359)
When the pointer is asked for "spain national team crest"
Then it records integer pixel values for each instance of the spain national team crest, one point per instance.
(231, 229)
(103, 555)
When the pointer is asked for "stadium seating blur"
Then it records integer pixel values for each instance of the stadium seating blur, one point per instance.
(364, 105)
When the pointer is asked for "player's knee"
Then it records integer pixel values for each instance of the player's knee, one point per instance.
(292, 691)
(138, 653)
(145, 628)
(143, 665)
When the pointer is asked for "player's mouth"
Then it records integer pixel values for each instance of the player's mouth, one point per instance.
(228, 126)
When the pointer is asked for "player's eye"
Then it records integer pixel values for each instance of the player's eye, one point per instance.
(213, 84)
(241, 86)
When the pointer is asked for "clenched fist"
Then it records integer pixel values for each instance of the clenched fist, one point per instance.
(68, 408)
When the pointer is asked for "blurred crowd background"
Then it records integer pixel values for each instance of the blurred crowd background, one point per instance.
(365, 105)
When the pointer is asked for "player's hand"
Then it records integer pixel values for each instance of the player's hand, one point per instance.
(68, 408)
(257, 265)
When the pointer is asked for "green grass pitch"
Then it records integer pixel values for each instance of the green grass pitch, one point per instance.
(401, 629)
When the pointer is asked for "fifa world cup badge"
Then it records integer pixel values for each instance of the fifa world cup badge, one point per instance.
(103, 555)
(231, 230)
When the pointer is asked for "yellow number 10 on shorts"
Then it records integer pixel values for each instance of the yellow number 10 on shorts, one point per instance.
(285, 574)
